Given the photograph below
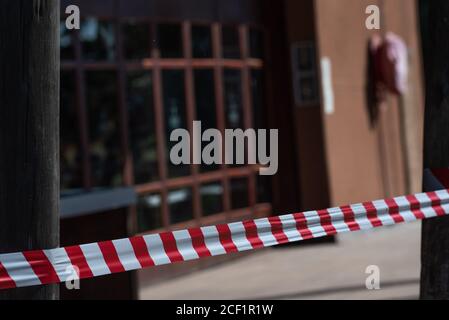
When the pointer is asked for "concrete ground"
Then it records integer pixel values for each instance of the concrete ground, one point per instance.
(329, 271)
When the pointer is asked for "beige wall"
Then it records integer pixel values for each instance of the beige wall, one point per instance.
(367, 162)
(407, 25)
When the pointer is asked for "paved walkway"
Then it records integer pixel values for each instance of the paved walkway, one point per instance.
(330, 271)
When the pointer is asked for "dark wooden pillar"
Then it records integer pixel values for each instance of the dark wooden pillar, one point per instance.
(29, 131)
(279, 102)
(435, 232)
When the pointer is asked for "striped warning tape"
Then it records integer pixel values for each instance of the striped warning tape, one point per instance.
(39, 267)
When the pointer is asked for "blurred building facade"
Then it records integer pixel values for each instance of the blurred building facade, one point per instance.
(138, 69)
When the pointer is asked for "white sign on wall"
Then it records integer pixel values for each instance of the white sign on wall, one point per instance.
(327, 87)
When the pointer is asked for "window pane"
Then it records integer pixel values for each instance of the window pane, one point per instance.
(305, 56)
(230, 42)
(257, 90)
(233, 98)
(175, 114)
(137, 40)
(149, 213)
(304, 75)
(264, 184)
(98, 40)
(239, 193)
(201, 42)
(205, 105)
(260, 120)
(233, 104)
(212, 198)
(105, 148)
(307, 88)
(205, 98)
(169, 40)
(142, 133)
(71, 170)
(66, 43)
(256, 43)
(180, 205)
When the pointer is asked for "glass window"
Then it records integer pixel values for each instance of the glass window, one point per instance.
(149, 213)
(137, 40)
(230, 42)
(255, 43)
(175, 114)
(66, 43)
(233, 98)
(104, 130)
(98, 40)
(239, 193)
(201, 42)
(305, 81)
(257, 91)
(180, 205)
(264, 184)
(308, 89)
(71, 152)
(104, 127)
(169, 40)
(305, 57)
(260, 120)
(205, 105)
(211, 198)
(205, 98)
(233, 104)
(142, 135)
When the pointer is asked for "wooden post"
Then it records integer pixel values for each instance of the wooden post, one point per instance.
(29, 132)
(435, 232)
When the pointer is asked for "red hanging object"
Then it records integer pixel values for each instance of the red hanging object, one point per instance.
(390, 62)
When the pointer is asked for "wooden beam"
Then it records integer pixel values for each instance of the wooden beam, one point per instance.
(435, 232)
(29, 132)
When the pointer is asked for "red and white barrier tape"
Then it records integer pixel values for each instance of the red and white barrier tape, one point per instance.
(39, 267)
